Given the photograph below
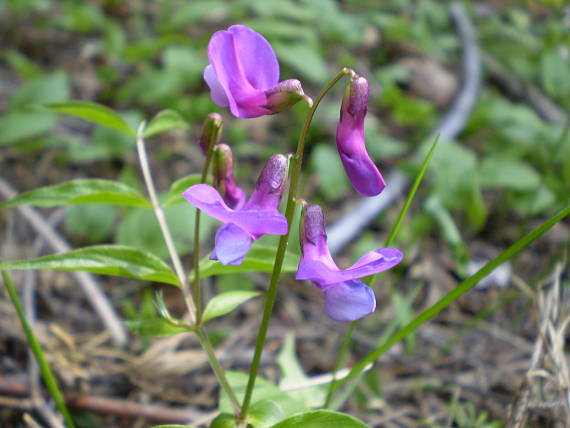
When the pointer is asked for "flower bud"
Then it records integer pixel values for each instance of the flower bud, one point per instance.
(284, 95)
(312, 226)
(224, 180)
(270, 184)
(211, 131)
(363, 174)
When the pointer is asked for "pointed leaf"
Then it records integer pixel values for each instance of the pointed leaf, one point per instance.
(259, 259)
(226, 302)
(321, 419)
(81, 191)
(155, 327)
(91, 112)
(113, 260)
(264, 414)
(264, 390)
(164, 121)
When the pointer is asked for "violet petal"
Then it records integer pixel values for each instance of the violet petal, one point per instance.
(232, 244)
(349, 301)
(256, 57)
(255, 222)
(244, 100)
(370, 263)
(216, 90)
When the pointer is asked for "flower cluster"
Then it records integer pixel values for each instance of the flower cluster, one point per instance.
(243, 75)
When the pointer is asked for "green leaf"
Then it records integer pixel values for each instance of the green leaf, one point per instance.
(157, 327)
(45, 89)
(21, 125)
(36, 348)
(226, 302)
(259, 259)
(91, 112)
(321, 419)
(508, 173)
(164, 121)
(462, 288)
(140, 229)
(114, 260)
(224, 420)
(292, 374)
(264, 390)
(554, 70)
(264, 414)
(330, 173)
(304, 58)
(81, 191)
(91, 222)
(178, 187)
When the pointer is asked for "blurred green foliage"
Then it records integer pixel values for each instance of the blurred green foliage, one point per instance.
(141, 57)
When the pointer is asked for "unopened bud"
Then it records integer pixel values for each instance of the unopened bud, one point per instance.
(355, 98)
(224, 177)
(312, 225)
(284, 95)
(211, 131)
(270, 184)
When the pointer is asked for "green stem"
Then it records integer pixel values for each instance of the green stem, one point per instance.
(197, 290)
(346, 340)
(372, 278)
(45, 370)
(453, 295)
(159, 214)
(295, 174)
(217, 368)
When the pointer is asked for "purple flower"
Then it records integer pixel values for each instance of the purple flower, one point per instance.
(244, 74)
(346, 298)
(224, 181)
(259, 215)
(363, 174)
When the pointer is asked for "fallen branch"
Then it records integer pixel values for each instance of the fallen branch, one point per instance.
(13, 387)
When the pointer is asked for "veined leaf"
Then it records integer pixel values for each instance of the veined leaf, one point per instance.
(113, 260)
(259, 259)
(81, 191)
(226, 302)
(321, 419)
(164, 121)
(91, 112)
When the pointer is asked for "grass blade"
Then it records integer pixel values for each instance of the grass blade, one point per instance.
(47, 374)
(454, 294)
(411, 195)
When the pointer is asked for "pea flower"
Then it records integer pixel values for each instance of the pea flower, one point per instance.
(258, 216)
(363, 174)
(224, 180)
(346, 298)
(244, 74)
(211, 131)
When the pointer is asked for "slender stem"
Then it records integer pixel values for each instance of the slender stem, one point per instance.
(197, 289)
(159, 213)
(36, 348)
(217, 368)
(346, 340)
(372, 278)
(200, 332)
(295, 174)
